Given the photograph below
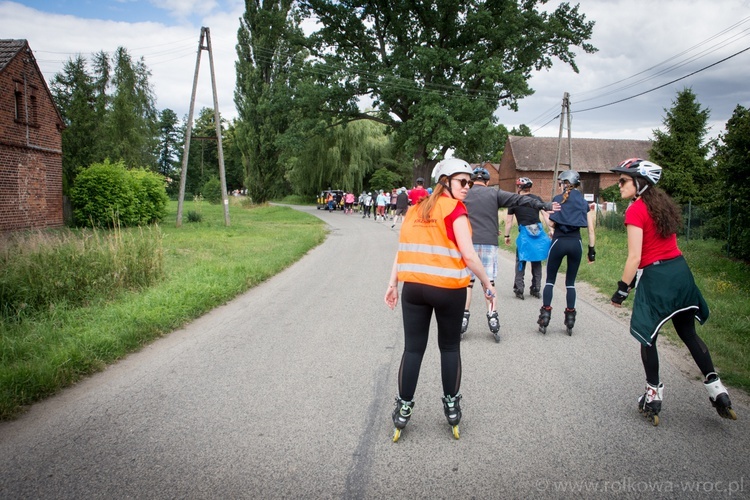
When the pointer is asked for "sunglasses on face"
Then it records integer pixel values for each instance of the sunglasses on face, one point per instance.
(623, 181)
(464, 182)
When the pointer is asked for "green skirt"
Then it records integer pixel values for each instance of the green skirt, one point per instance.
(664, 289)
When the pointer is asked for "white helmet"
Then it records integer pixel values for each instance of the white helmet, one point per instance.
(449, 167)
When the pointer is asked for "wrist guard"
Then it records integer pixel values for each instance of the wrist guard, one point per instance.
(622, 292)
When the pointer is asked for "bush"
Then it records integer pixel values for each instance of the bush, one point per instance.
(211, 191)
(150, 194)
(107, 194)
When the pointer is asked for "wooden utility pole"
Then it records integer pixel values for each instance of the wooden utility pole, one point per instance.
(205, 35)
(565, 111)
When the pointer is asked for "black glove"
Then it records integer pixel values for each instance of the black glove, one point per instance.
(547, 207)
(622, 292)
(592, 254)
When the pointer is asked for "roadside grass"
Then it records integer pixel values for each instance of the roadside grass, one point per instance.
(205, 264)
(725, 284)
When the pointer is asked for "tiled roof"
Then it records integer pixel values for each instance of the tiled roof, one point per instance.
(8, 50)
(589, 155)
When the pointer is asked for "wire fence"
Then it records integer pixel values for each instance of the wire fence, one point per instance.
(698, 223)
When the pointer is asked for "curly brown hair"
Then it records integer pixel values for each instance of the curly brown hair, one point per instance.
(665, 212)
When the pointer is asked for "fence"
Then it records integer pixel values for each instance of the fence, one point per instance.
(698, 223)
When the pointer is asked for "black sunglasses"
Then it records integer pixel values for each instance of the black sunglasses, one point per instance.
(464, 182)
(623, 181)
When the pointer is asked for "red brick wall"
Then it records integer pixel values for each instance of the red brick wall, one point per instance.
(30, 149)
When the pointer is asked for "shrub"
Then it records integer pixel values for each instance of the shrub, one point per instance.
(107, 194)
(151, 195)
(212, 191)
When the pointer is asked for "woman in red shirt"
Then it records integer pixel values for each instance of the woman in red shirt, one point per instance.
(666, 288)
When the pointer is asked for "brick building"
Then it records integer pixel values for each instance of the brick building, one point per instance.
(534, 157)
(30, 143)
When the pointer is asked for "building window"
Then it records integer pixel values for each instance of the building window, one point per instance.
(20, 108)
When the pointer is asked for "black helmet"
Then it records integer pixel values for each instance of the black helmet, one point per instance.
(420, 180)
(480, 173)
(570, 176)
(524, 183)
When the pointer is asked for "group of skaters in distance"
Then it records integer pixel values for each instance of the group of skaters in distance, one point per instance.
(449, 239)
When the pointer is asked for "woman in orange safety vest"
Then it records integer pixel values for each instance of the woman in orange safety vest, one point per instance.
(435, 249)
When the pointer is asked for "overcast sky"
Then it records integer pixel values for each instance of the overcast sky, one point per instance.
(643, 44)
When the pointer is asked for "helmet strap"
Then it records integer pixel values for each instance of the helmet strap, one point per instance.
(447, 187)
(638, 189)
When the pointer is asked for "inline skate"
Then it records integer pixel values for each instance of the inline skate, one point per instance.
(494, 323)
(570, 319)
(452, 410)
(718, 396)
(544, 316)
(465, 323)
(535, 292)
(650, 403)
(401, 416)
(519, 293)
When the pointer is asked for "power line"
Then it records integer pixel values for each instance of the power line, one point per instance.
(664, 85)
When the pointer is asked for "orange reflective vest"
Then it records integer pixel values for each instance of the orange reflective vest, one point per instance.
(425, 254)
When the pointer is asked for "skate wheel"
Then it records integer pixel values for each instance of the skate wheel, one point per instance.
(543, 329)
(455, 432)
(497, 337)
(396, 434)
(654, 420)
(570, 332)
(731, 415)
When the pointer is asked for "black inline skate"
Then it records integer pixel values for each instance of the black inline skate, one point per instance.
(452, 410)
(718, 396)
(570, 319)
(650, 403)
(535, 292)
(544, 316)
(494, 323)
(519, 293)
(465, 323)
(401, 416)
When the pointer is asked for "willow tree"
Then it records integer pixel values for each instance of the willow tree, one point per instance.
(436, 71)
(342, 157)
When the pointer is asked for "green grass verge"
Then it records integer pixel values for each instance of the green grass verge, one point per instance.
(725, 284)
(205, 265)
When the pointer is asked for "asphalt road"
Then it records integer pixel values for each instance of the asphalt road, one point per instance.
(287, 391)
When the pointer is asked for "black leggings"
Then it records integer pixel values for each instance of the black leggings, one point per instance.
(417, 304)
(684, 324)
(563, 247)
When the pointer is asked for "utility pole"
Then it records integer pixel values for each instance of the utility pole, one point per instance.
(565, 111)
(205, 35)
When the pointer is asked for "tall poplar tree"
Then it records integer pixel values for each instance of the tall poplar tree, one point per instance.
(269, 57)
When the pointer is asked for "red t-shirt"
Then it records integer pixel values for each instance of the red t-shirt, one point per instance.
(654, 246)
(451, 217)
(417, 194)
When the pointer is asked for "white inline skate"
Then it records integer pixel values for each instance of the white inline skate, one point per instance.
(718, 396)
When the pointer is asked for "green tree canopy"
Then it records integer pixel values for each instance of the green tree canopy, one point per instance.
(733, 162)
(435, 71)
(269, 58)
(683, 152)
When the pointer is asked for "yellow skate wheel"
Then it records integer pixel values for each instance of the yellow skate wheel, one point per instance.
(655, 420)
(731, 414)
(455, 432)
(396, 434)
